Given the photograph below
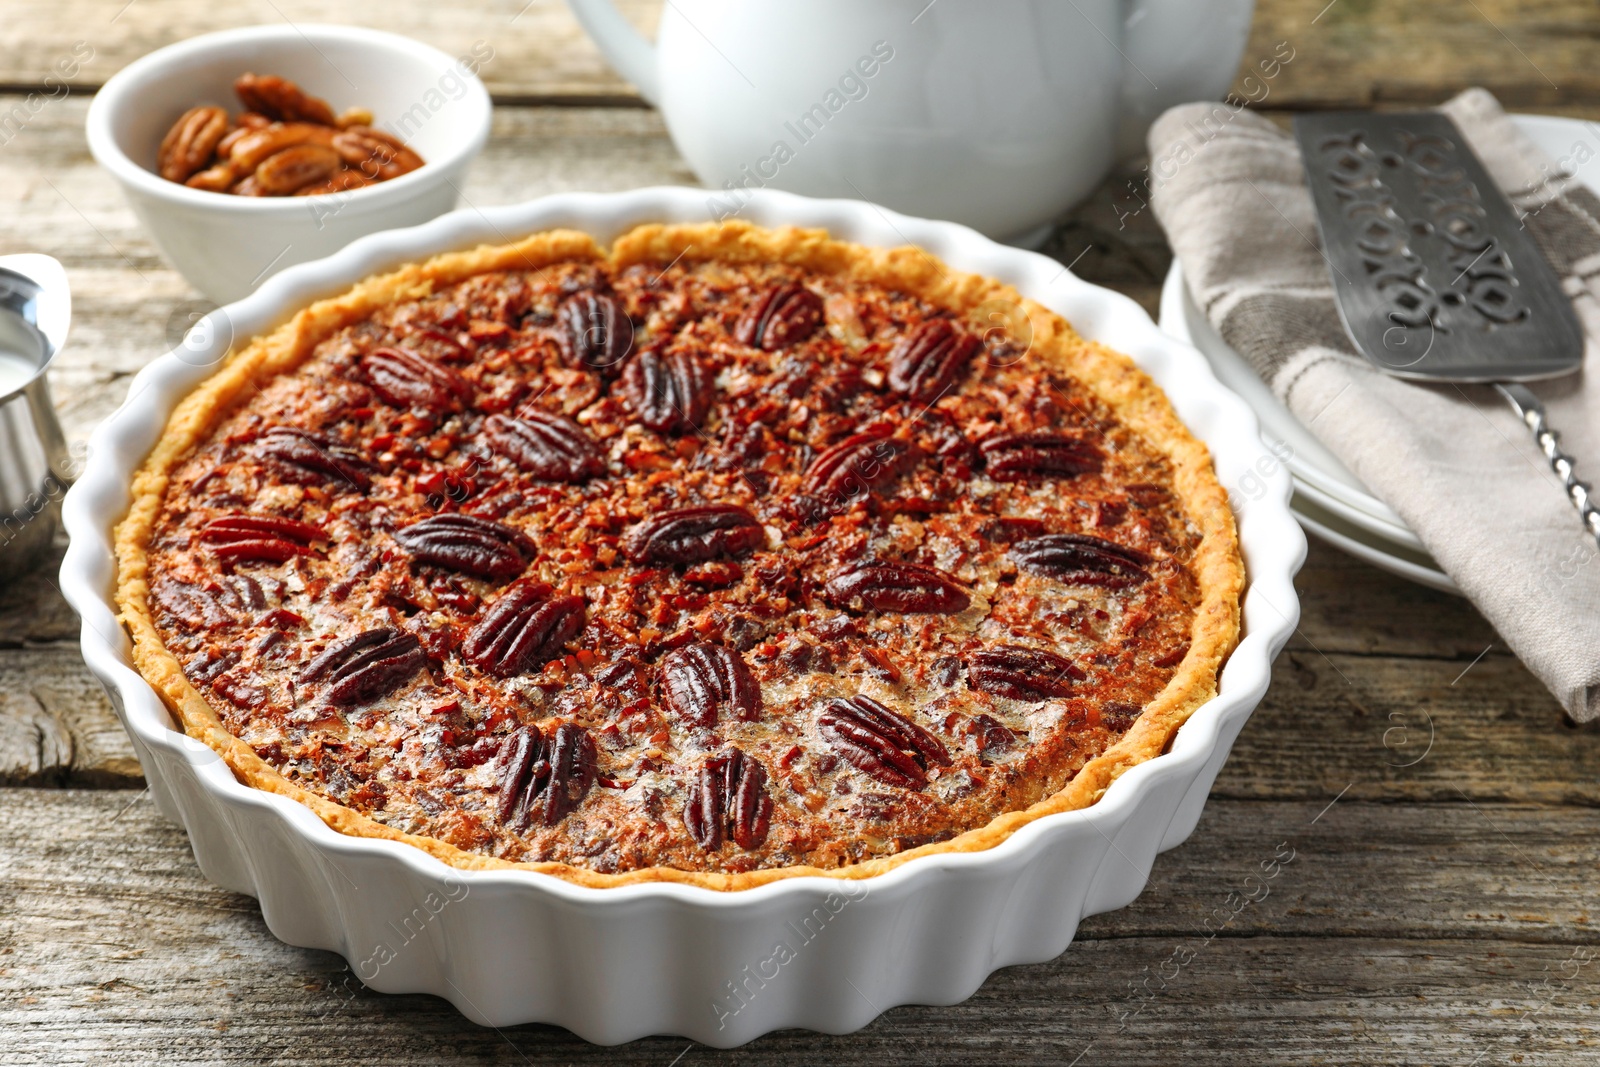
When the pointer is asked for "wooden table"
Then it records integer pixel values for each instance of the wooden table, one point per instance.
(1444, 816)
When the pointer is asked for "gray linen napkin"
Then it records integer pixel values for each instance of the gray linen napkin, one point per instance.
(1454, 462)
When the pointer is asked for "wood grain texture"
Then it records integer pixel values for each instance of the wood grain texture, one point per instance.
(1366, 53)
(540, 51)
(1348, 53)
(56, 725)
(1392, 936)
(32, 610)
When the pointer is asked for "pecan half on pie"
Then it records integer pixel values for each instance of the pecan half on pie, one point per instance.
(727, 555)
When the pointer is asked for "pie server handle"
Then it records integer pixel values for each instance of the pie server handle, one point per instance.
(1531, 411)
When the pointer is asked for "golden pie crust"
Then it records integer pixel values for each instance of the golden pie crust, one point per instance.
(1112, 378)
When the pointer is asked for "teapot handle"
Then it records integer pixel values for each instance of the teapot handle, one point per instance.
(633, 57)
(1176, 51)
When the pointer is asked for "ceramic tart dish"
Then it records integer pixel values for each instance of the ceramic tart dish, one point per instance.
(727, 602)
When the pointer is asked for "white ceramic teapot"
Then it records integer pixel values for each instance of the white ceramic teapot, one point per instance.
(1000, 114)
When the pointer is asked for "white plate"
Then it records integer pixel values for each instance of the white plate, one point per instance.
(1419, 567)
(509, 946)
(1318, 473)
(1338, 519)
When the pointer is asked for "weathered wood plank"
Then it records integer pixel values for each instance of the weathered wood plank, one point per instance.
(1351, 606)
(32, 609)
(1349, 53)
(1410, 729)
(1362, 53)
(56, 725)
(1263, 1000)
(1508, 872)
(1393, 935)
(540, 51)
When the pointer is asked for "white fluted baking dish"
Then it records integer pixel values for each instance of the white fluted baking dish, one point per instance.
(611, 965)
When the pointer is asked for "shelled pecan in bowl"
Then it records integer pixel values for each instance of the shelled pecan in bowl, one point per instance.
(284, 143)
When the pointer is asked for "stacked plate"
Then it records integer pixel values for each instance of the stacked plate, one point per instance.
(1329, 501)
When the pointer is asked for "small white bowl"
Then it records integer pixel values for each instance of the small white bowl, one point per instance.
(227, 245)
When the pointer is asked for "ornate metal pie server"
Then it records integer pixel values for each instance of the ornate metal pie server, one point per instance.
(1433, 274)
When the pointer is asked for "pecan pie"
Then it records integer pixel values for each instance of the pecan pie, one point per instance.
(726, 555)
